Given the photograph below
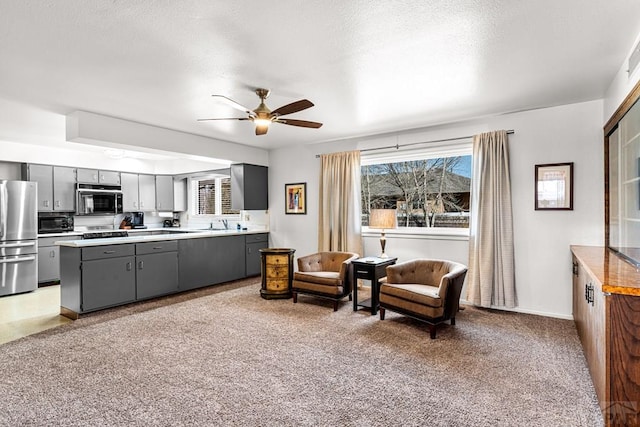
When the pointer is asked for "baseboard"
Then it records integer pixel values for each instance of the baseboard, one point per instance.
(526, 311)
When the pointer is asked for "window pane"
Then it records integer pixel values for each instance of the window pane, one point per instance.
(425, 193)
(226, 197)
(207, 197)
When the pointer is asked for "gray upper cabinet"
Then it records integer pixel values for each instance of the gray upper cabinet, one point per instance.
(88, 176)
(147, 192)
(171, 194)
(56, 186)
(138, 192)
(249, 187)
(94, 176)
(64, 189)
(164, 192)
(130, 194)
(109, 177)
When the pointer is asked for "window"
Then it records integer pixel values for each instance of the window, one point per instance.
(212, 196)
(428, 189)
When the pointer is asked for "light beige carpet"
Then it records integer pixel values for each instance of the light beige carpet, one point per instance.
(233, 358)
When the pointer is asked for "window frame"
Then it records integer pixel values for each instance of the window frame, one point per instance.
(432, 151)
(194, 198)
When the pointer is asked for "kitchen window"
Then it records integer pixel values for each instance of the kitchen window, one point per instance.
(212, 196)
(430, 188)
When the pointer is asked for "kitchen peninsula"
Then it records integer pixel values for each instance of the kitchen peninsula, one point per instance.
(107, 272)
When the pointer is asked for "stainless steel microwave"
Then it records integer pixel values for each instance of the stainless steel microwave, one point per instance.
(98, 199)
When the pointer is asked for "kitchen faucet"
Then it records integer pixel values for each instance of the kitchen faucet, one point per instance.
(225, 223)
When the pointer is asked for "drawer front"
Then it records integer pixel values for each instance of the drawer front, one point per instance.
(46, 241)
(49, 241)
(108, 251)
(253, 238)
(278, 260)
(277, 284)
(156, 247)
(277, 272)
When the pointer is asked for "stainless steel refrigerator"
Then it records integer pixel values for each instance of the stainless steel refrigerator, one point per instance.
(18, 237)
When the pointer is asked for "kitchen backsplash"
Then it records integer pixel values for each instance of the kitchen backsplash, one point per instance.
(252, 220)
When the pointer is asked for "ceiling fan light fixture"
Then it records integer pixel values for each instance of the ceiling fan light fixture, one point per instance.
(262, 122)
(262, 116)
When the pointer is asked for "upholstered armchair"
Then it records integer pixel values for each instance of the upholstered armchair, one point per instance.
(324, 275)
(424, 289)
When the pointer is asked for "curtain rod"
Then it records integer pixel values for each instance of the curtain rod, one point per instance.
(397, 146)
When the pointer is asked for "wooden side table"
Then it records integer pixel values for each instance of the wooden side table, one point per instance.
(374, 269)
(277, 272)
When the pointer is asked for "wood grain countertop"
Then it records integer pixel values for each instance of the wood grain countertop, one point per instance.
(615, 275)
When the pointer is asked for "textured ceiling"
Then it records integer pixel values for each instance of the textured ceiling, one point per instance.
(370, 67)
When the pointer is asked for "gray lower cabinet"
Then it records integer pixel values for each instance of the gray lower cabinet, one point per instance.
(108, 276)
(211, 260)
(97, 277)
(49, 258)
(108, 282)
(156, 269)
(254, 242)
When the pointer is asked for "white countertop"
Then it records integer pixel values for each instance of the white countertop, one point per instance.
(179, 234)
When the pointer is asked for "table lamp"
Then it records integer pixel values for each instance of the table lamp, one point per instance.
(383, 219)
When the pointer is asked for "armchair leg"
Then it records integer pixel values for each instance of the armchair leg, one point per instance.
(350, 297)
(453, 320)
(335, 305)
(432, 331)
(295, 296)
(382, 313)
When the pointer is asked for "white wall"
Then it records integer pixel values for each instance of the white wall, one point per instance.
(620, 87)
(570, 133)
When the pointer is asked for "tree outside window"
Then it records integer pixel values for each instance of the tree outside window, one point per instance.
(432, 192)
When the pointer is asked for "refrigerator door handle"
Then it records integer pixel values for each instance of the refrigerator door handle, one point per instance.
(3, 208)
(19, 259)
(17, 245)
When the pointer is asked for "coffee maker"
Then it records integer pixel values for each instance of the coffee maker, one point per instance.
(137, 220)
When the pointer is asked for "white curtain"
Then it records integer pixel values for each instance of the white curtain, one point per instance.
(339, 227)
(491, 276)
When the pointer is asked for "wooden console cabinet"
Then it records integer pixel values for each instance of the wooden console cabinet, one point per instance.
(606, 310)
(277, 272)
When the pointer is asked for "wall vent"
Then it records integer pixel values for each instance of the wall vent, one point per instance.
(634, 59)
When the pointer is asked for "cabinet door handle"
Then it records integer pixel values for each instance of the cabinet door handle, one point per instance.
(589, 293)
(135, 204)
(157, 248)
(57, 203)
(46, 203)
(129, 266)
(52, 254)
(109, 252)
(140, 265)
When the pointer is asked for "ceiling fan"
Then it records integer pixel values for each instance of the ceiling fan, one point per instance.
(262, 116)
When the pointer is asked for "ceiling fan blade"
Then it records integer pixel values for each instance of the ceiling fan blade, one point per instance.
(234, 104)
(301, 123)
(294, 107)
(262, 130)
(225, 118)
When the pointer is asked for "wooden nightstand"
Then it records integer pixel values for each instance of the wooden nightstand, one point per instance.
(277, 272)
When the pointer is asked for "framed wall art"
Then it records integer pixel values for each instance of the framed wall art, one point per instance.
(295, 198)
(554, 186)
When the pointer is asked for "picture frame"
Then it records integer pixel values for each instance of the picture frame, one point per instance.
(554, 186)
(295, 198)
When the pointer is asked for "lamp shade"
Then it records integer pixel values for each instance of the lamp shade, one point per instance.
(383, 218)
